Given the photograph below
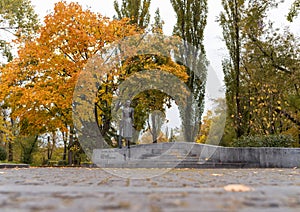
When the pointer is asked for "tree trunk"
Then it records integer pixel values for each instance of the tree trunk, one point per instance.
(10, 152)
(48, 149)
(65, 138)
(239, 130)
(50, 146)
(71, 140)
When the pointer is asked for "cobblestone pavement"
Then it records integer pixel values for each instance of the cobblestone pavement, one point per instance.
(83, 189)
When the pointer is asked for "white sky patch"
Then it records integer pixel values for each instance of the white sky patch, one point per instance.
(214, 45)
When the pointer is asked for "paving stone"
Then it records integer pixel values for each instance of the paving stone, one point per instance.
(96, 189)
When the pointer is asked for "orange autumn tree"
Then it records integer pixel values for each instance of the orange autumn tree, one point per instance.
(38, 85)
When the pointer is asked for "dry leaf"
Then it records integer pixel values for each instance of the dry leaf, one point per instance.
(237, 188)
(218, 175)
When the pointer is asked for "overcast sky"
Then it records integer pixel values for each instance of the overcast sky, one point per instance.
(215, 47)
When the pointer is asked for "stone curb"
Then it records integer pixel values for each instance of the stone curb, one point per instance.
(11, 165)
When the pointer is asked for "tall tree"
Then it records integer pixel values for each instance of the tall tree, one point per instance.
(39, 84)
(144, 101)
(294, 10)
(259, 63)
(151, 100)
(272, 62)
(190, 25)
(17, 19)
(157, 26)
(230, 21)
(136, 10)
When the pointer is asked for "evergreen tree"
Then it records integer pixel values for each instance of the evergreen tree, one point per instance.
(137, 10)
(157, 26)
(231, 22)
(190, 25)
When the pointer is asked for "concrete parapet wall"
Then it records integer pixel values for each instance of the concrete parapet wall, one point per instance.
(13, 165)
(191, 155)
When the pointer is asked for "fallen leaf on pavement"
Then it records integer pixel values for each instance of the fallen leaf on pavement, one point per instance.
(217, 175)
(237, 188)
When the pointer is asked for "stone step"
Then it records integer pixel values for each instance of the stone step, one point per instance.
(147, 164)
(189, 155)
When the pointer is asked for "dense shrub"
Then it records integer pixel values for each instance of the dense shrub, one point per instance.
(29, 145)
(265, 141)
(62, 163)
(3, 153)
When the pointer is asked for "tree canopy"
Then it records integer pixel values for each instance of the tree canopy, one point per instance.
(261, 59)
(136, 10)
(191, 22)
(18, 20)
(294, 10)
(261, 72)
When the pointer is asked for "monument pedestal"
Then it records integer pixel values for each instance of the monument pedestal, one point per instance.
(191, 155)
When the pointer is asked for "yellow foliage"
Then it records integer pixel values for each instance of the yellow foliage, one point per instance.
(39, 84)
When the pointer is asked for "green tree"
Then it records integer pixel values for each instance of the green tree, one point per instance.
(294, 10)
(29, 145)
(230, 20)
(258, 95)
(150, 100)
(273, 67)
(157, 26)
(190, 25)
(271, 59)
(143, 101)
(3, 153)
(240, 20)
(136, 10)
(18, 19)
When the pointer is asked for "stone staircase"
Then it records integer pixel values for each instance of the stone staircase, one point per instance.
(169, 155)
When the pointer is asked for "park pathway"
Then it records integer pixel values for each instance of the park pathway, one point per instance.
(95, 189)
